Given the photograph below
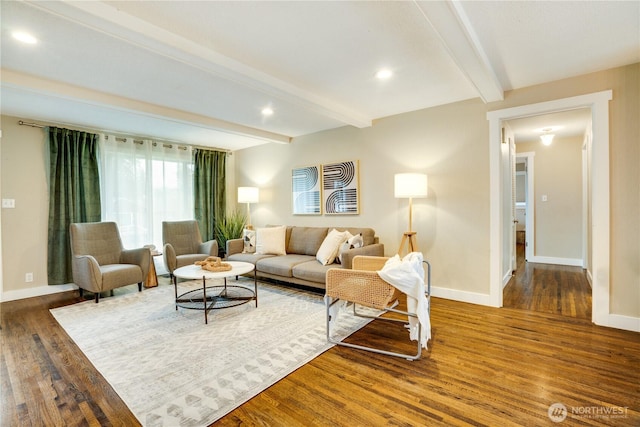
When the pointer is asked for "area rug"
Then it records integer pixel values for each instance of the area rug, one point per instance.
(173, 370)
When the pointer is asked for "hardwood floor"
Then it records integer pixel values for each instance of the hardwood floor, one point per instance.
(484, 367)
(548, 288)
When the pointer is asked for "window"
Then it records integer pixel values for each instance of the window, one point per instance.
(143, 183)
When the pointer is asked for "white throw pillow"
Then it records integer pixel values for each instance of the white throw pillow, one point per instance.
(330, 245)
(249, 240)
(271, 240)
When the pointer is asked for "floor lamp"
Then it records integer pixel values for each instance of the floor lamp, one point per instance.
(410, 186)
(248, 195)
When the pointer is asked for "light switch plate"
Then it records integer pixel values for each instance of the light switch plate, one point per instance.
(8, 203)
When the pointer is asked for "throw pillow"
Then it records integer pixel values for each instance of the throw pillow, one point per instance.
(330, 245)
(271, 240)
(352, 242)
(249, 240)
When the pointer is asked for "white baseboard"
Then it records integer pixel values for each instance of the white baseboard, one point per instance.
(462, 296)
(36, 292)
(575, 262)
(619, 321)
(505, 279)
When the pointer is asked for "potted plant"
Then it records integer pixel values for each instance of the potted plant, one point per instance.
(229, 227)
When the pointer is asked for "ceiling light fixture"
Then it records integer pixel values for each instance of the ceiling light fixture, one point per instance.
(267, 111)
(546, 137)
(384, 74)
(24, 37)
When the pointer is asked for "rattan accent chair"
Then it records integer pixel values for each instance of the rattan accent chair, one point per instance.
(100, 263)
(362, 286)
(183, 244)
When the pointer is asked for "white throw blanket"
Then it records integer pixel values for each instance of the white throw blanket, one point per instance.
(407, 275)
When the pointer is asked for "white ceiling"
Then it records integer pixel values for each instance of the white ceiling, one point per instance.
(200, 72)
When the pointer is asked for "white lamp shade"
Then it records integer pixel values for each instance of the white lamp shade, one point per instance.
(408, 185)
(248, 194)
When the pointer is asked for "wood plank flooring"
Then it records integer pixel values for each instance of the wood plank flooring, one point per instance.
(484, 367)
(548, 288)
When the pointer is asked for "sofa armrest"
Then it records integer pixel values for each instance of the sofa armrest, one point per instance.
(377, 249)
(210, 248)
(235, 246)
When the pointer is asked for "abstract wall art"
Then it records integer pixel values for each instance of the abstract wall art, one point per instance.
(306, 190)
(340, 188)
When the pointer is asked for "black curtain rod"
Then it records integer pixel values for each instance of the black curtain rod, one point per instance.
(33, 125)
(36, 125)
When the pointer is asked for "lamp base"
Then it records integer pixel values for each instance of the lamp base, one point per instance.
(409, 239)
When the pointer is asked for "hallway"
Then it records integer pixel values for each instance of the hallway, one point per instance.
(548, 288)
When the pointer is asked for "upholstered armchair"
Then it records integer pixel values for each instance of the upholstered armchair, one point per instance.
(99, 261)
(183, 244)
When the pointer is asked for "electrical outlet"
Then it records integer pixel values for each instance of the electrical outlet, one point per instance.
(28, 277)
(9, 203)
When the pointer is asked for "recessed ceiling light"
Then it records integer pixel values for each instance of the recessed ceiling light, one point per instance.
(384, 74)
(267, 111)
(24, 37)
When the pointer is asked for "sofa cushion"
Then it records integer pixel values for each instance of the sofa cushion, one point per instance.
(330, 245)
(270, 240)
(306, 240)
(252, 258)
(312, 271)
(282, 265)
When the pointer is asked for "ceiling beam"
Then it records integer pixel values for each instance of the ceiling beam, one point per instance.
(450, 21)
(66, 91)
(109, 20)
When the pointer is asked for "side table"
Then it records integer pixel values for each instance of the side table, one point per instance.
(152, 277)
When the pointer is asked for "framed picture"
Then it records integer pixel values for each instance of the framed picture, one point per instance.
(340, 188)
(306, 190)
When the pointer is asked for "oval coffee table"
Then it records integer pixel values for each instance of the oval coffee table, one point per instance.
(216, 296)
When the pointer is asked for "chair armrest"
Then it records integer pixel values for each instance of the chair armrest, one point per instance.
(235, 246)
(369, 263)
(210, 248)
(86, 273)
(361, 287)
(169, 255)
(376, 249)
(139, 256)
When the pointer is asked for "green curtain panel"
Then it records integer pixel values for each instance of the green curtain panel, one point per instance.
(74, 194)
(210, 197)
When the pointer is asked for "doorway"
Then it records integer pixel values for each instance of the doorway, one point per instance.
(599, 247)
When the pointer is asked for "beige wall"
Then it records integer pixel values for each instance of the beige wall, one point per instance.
(24, 229)
(452, 223)
(558, 175)
(449, 143)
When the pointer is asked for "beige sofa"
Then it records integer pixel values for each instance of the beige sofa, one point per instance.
(299, 265)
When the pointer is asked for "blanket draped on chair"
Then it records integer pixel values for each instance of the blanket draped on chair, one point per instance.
(407, 275)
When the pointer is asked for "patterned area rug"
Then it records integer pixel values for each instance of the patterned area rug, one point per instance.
(173, 370)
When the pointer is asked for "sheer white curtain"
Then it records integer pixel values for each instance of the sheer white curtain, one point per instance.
(143, 183)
